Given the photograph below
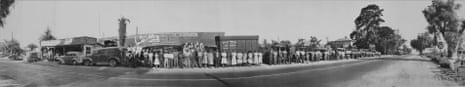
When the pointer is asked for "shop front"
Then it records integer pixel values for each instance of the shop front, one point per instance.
(52, 49)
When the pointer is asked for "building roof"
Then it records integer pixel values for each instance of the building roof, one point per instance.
(70, 41)
(246, 37)
(344, 39)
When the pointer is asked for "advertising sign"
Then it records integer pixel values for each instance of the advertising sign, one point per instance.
(50, 42)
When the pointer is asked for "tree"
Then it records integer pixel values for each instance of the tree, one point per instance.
(444, 25)
(32, 46)
(369, 32)
(300, 42)
(314, 42)
(365, 26)
(47, 35)
(422, 42)
(122, 30)
(406, 50)
(5, 10)
(12, 47)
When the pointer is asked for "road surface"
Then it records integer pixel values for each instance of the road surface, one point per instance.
(398, 71)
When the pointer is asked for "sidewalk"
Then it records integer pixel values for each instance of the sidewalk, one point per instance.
(247, 68)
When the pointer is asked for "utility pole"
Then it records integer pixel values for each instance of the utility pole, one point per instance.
(99, 30)
(137, 36)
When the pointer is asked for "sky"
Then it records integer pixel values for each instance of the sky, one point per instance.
(270, 19)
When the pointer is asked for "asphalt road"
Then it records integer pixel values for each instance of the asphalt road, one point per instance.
(302, 76)
(52, 74)
(324, 75)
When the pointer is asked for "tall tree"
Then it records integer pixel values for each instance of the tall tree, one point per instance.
(5, 10)
(366, 24)
(368, 31)
(47, 35)
(444, 25)
(422, 42)
(122, 30)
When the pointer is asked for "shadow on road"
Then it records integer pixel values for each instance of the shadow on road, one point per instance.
(403, 59)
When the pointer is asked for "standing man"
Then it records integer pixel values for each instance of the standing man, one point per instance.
(274, 56)
(286, 57)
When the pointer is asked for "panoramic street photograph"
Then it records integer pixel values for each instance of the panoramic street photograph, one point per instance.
(232, 43)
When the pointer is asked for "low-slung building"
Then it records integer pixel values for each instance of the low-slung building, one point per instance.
(154, 39)
(341, 43)
(238, 43)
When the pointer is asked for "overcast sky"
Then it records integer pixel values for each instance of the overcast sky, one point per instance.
(271, 19)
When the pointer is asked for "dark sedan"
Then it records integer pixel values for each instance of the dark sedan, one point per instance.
(70, 58)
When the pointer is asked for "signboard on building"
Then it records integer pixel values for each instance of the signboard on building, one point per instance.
(50, 42)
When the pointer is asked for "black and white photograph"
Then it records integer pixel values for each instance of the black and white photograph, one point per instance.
(232, 43)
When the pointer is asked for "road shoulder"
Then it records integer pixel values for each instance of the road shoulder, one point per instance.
(412, 71)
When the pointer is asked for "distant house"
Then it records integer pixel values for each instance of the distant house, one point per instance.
(341, 43)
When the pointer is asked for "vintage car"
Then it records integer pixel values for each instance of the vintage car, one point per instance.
(32, 57)
(72, 58)
(15, 57)
(109, 56)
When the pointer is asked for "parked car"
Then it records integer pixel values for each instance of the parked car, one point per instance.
(32, 57)
(72, 58)
(15, 57)
(111, 56)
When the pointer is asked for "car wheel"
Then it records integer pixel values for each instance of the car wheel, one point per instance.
(60, 62)
(87, 63)
(113, 63)
(74, 62)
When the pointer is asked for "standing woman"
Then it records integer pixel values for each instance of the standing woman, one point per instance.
(204, 59)
(156, 62)
(224, 60)
(200, 57)
(255, 61)
(210, 58)
(233, 58)
(250, 58)
(150, 62)
(239, 58)
(260, 57)
(246, 58)
(184, 59)
(272, 56)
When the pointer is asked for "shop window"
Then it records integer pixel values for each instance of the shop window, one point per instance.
(88, 50)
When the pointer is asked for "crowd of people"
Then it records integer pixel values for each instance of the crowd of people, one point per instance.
(274, 57)
(194, 55)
